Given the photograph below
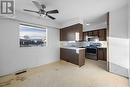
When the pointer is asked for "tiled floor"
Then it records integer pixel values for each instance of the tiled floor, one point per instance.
(64, 74)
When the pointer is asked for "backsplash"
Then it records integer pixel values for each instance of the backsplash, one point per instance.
(71, 44)
(80, 44)
(103, 43)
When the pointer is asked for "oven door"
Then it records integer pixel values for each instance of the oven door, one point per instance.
(91, 53)
(91, 50)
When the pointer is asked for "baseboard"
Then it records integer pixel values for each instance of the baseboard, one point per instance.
(119, 70)
(13, 73)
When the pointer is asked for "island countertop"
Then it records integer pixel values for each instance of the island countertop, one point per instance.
(75, 48)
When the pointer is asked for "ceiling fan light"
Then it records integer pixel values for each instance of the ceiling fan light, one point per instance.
(43, 15)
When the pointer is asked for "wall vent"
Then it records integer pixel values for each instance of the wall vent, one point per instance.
(20, 72)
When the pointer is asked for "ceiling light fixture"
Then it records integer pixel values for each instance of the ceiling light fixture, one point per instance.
(87, 24)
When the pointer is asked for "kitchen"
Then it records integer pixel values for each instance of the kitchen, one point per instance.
(78, 44)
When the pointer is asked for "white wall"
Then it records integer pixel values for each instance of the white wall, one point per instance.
(129, 19)
(118, 41)
(129, 34)
(14, 58)
(95, 26)
(71, 22)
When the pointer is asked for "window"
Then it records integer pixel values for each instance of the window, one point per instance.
(30, 36)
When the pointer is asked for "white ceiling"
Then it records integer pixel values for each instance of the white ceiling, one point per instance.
(84, 9)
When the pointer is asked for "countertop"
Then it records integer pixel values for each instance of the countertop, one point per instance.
(102, 47)
(75, 48)
(79, 48)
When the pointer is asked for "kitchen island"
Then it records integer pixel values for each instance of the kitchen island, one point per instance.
(73, 55)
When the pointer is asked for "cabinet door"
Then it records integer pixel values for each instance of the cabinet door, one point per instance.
(69, 33)
(95, 33)
(80, 32)
(63, 33)
(84, 36)
(78, 29)
(102, 54)
(105, 54)
(64, 54)
(102, 35)
(90, 33)
(69, 55)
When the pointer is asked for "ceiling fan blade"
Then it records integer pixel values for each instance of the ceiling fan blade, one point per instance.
(37, 5)
(30, 10)
(52, 12)
(50, 17)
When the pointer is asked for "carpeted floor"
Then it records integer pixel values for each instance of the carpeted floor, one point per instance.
(64, 74)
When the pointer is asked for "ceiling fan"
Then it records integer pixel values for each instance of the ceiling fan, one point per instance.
(41, 8)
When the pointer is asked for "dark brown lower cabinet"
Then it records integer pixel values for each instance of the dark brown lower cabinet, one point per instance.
(70, 55)
(102, 54)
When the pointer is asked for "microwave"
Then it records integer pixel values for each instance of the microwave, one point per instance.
(93, 39)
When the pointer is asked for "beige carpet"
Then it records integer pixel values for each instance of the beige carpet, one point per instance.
(64, 74)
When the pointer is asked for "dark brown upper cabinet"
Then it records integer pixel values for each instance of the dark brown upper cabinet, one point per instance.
(95, 33)
(90, 33)
(101, 33)
(71, 33)
(85, 34)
